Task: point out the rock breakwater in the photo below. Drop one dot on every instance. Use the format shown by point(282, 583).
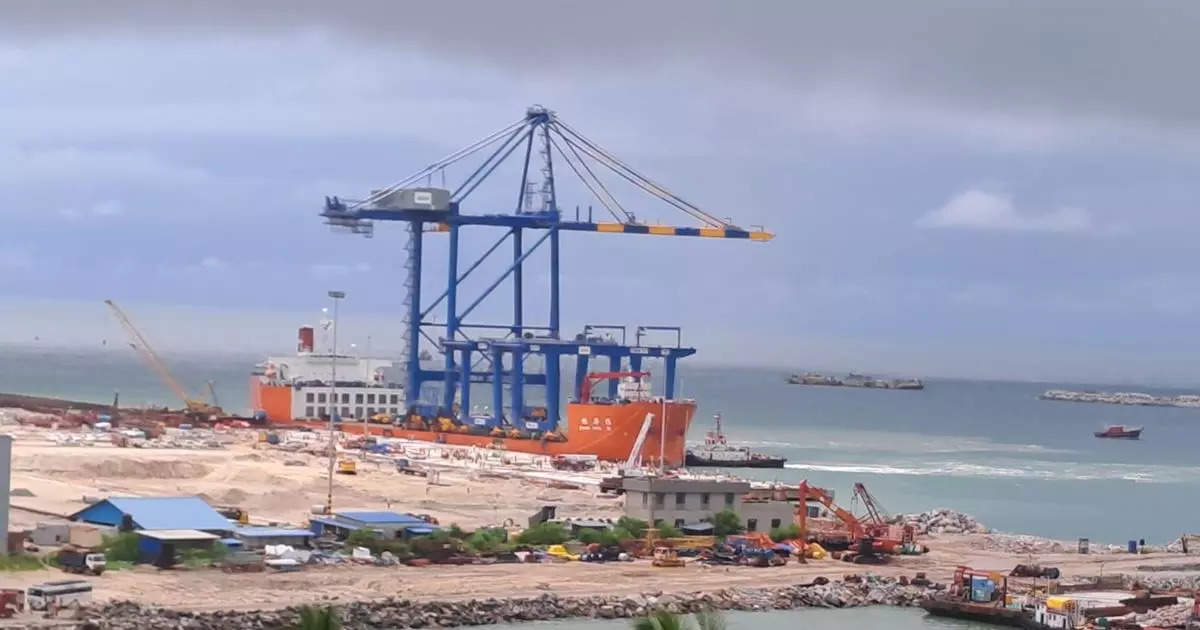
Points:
point(942, 521)
point(403, 613)
point(1123, 398)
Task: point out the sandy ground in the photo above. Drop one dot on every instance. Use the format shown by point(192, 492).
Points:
point(255, 477)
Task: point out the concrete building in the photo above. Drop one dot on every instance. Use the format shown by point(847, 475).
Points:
point(384, 524)
point(152, 513)
point(683, 502)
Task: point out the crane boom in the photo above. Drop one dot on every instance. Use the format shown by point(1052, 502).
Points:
point(143, 348)
point(874, 511)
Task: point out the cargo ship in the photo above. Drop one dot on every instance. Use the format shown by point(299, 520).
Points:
point(297, 392)
point(717, 452)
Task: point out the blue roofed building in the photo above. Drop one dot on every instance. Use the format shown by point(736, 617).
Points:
point(384, 524)
point(155, 513)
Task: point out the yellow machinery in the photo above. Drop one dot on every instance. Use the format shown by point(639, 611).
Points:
point(347, 467)
point(667, 557)
point(194, 406)
point(235, 514)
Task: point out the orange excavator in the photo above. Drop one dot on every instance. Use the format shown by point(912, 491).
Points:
point(874, 534)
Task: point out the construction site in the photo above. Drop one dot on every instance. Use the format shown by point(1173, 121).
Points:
point(342, 485)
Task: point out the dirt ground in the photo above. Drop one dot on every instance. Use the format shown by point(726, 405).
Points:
point(257, 478)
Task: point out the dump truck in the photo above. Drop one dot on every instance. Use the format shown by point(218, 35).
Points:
point(81, 561)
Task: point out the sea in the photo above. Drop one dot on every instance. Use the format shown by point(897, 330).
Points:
point(988, 448)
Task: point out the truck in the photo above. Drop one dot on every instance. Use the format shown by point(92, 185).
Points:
point(347, 467)
point(82, 561)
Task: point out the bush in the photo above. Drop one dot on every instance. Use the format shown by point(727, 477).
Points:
point(455, 531)
point(786, 532)
point(196, 558)
point(487, 540)
point(544, 534)
point(19, 562)
point(667, 530)
point(602, 537)
point(635, 526)
point(726, 522)
point(122, 547)
point(362, 538)
point(317, 618)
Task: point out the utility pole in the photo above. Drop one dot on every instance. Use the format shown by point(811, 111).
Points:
point(336, 296)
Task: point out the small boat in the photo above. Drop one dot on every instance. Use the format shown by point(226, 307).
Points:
point(1120, 431)
point(717, 452)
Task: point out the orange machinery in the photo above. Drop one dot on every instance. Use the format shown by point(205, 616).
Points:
point(887, 538)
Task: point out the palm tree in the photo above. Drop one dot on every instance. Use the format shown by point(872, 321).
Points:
point(665, 620)
point(318, 618)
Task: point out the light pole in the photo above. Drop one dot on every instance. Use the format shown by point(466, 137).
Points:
point(336, 296)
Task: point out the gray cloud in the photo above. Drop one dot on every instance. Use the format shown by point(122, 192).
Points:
point(1108, 65)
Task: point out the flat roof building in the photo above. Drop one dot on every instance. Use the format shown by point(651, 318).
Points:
point(690, 503)
point(259, 537)
point(385, 524)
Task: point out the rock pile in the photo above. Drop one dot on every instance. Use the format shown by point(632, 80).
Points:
point(1011, 543)
point(402, 613)
point(1166, 617)
point(942, 521)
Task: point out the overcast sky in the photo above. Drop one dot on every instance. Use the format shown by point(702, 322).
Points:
point(996, 190)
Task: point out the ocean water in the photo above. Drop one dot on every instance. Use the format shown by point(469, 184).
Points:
point(991, 449)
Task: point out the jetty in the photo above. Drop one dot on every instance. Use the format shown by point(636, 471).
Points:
point(1123, 398)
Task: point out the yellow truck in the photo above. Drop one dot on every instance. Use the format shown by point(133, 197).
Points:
point(347, 467)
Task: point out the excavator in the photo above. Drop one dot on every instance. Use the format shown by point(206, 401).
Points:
point(868, 543)
point(193, 407)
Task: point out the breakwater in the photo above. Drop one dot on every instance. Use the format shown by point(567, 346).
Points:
point(1123, 398)
point(855, 380)
point(403, 613)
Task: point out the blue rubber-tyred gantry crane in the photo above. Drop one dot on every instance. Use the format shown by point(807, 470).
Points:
point(496, 360)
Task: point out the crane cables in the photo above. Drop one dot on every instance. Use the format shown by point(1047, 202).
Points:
point(444, 162)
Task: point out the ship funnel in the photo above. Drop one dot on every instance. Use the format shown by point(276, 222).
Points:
point(306, 339)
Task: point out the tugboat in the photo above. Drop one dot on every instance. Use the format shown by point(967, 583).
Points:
point(717, 452)
point(1119, 431)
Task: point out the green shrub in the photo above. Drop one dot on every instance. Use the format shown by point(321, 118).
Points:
point(544, 534)
point(19, 562)
point(635, 526)
point(362, 538)
point(726, 522)
point(487, 540)
point(196, 558)
point(602, 537)
point(454, 531)
point(318, 618)
point(786, 532)
point(123, 546)
point(667, 530)
point(623, 534)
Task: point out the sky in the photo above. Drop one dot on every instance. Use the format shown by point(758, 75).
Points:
point(984, 189)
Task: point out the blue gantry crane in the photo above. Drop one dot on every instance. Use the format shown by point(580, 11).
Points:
point(470, 355)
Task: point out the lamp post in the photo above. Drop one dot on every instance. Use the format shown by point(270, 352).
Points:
point(336, 296)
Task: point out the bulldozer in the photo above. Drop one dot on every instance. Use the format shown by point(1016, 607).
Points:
point(347, 467)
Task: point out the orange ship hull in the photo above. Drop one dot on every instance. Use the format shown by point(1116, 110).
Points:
point(607, 431)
